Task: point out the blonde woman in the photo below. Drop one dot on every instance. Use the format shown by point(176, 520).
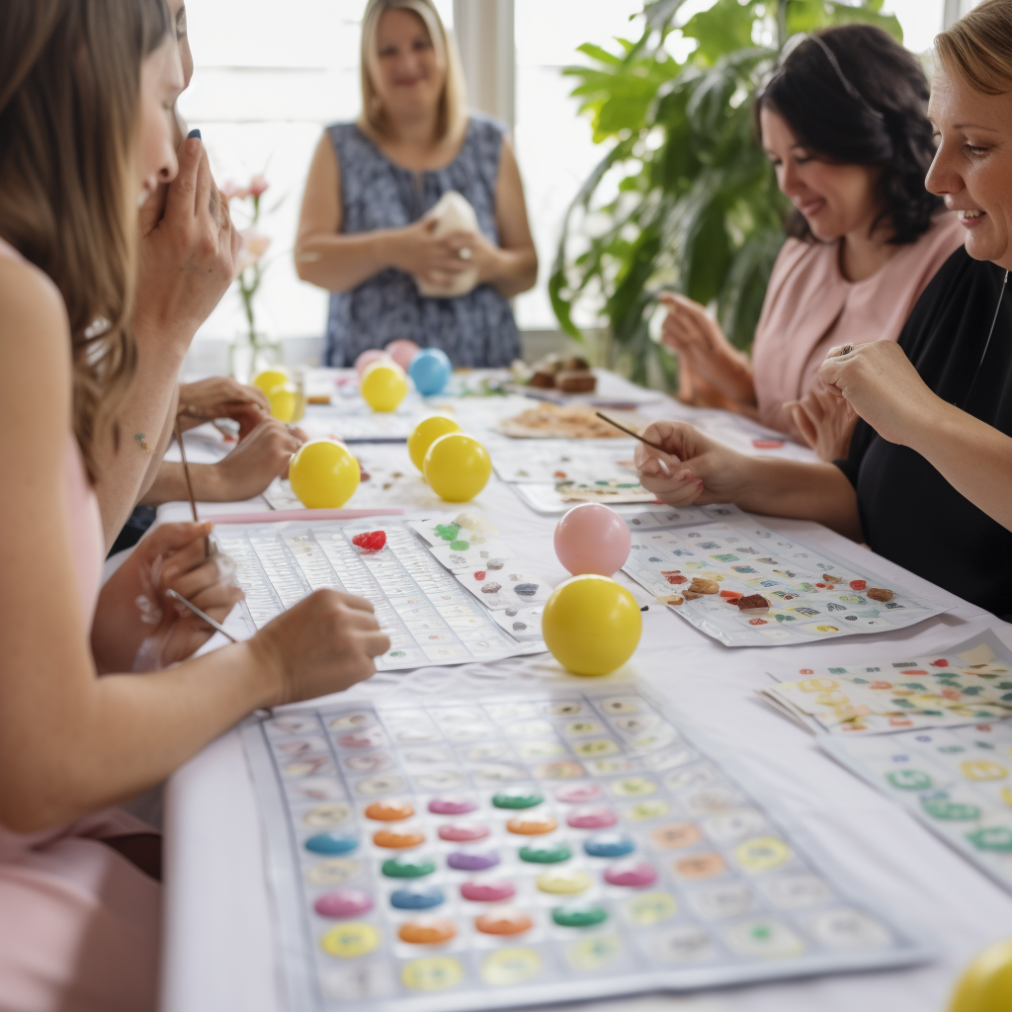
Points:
point(928, 480)
point(363, 233)
point(79, 915)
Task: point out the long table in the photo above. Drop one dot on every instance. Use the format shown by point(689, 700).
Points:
point(219, 950)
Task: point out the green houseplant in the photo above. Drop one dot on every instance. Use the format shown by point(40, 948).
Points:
point(688, 200)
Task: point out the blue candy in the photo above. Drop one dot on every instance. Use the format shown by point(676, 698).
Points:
point(332, 843)
point(416, 897)
point(430, 370)
point(608, 845)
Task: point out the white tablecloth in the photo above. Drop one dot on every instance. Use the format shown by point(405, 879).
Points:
point(219, 953)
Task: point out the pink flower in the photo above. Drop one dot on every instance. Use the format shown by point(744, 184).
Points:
point(254, 246)
point(232, 191)
point(258, 185)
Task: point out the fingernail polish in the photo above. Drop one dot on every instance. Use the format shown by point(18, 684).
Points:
point(193, 134)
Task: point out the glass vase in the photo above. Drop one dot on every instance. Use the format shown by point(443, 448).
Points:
point(249, 354)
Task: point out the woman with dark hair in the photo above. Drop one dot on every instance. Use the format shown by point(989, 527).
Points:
point(87, 89)
point(844, 122)
point(928, 479)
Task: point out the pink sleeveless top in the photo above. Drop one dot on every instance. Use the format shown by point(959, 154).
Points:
point(810, 307)
point(79, 924)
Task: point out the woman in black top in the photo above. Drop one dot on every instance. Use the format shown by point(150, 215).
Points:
point(928, 482)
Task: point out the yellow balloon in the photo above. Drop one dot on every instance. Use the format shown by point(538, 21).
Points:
point(426, 433)
point(591, 624)
point(986, 984)
point(457, 467)
point(270, 378)
point(283, 400)
point(324, 474)
point(383, 386)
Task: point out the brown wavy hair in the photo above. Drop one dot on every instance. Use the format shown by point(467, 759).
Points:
point(979, 47)
point(70, 74)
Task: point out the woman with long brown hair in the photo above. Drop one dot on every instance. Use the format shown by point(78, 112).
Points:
point(87, 89)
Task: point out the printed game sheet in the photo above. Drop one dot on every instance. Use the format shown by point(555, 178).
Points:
point(968, 682)
point(430, 616)
point(440, 855)
point(745, 585)
point(957, 780)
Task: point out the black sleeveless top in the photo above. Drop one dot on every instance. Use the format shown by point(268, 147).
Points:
point(909, 512)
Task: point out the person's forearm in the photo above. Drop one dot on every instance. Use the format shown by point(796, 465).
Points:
point(145, 429)
point(789, 488)
point(170, 484)
point(130, 732)
point(974, 457)
point(341, 262)
point(517, 271)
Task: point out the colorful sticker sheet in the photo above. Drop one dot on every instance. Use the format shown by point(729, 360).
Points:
point(970, 681)
point(430, 617)
point(440, 855)
point(956, 780)
point(789, 593)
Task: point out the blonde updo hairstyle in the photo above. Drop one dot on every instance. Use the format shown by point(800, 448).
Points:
point(452, 116)
point(978, 47)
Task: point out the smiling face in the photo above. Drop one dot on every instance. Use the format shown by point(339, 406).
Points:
point(161, 84)
point(406, 71)
point(972, 170)
point(836, 200)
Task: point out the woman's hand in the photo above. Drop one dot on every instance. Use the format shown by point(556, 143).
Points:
point(692, 467)
point(882, 386)
point(699, 341)
point(481, 254)
point(325, 643)
point(415, 250)
point(826, 423)
point(254, 463)
point(221, 397)
point(137, 627)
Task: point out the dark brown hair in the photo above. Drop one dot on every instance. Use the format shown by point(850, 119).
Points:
point(70, 75)
point(853, 95)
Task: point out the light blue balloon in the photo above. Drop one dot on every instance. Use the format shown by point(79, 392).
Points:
point(430, 371)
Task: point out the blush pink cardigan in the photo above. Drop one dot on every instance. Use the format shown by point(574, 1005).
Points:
point(79, 924)
point(810, 307)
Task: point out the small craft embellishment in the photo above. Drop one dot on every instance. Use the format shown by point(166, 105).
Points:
point(491, 588)
point(878, 594)
point(753, 603)
point(142, 441)
point(370, 542)
point(674, 577)
point(675, 599)
point(702, 586)
point(526, 589)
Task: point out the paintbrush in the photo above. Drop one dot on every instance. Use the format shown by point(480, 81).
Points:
point(189, 486)
point(629, 432)
point(216, 626)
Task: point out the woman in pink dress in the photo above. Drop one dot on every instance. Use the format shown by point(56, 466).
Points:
point(844, 122)
point(87, 89)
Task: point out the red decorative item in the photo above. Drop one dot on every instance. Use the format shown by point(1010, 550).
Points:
point(858, 584)
point(480, 575)
point(940, 663)
point(370, 542)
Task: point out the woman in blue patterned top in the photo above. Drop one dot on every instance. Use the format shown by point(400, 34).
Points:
point(363, 233)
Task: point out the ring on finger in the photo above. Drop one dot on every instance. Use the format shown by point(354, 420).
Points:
point(465, 253)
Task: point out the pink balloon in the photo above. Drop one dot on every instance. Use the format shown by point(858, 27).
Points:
point(402, 352)
point(367, 358)
point(592, 538)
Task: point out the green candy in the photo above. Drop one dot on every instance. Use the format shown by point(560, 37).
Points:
point(460, 546)
point(517, 798)
point(950, 810)
point(996, 838)
point(909, 780)
point(579, 915)
point(545, 853)
point(408, 866)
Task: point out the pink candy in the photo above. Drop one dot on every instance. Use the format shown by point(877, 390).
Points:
point(578, 793)
point(343, 903)
point(451, 806)
point(488, 892)
point(597, 817)
point(631, 873)
point(462, 832)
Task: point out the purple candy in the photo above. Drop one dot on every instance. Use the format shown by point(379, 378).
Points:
point(464, 860)
point(451, 806)
point(343, 903)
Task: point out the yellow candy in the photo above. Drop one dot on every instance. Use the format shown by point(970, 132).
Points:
point(564, 881)
point(383, 386)
point(592, 625)
point(347, 941)
point(426, 433)
point(457, 467)
point(283, 399)
point(986, 985)
point(324, 474)
point(269, 379)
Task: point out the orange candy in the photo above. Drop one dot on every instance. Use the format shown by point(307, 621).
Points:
point(504, 921)
point(389, 811)
point(427, 931)
point(531, 824)
point(398, 838)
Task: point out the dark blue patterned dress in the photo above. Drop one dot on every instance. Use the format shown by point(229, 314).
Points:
point(476, 329)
